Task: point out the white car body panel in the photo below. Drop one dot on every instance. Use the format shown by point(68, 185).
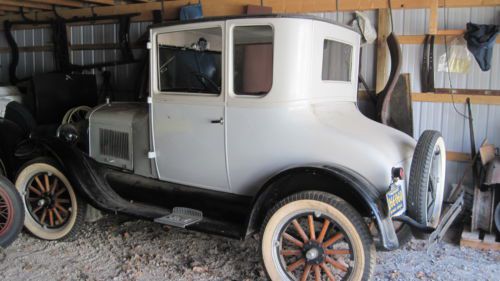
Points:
point(302, 121)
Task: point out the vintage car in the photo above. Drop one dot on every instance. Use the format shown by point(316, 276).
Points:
point(251, 125)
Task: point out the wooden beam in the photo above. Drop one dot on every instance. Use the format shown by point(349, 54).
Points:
point(384, 29)
point(63, 3)
point(433, 19)
point(25, 4)
point(458, 98)
point(457, 156)
point(419, 39)
point(103, 2)
point(236, 7)
point(9, 8)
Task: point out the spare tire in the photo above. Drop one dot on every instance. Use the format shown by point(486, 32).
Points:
point(11, 212)
point(427, 180)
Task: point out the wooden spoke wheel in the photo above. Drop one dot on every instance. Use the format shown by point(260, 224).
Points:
point(53, 209)
point(48, 201)
point(316, 236)
point(6, 212)
point(313, 245)
point(11, 212)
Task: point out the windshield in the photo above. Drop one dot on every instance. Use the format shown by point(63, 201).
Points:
point(190, 61)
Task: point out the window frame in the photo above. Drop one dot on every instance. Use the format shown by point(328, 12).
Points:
point(351, 68)
point(231, 68)
point(189, 27)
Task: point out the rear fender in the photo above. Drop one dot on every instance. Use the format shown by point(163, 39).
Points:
point(337, 180)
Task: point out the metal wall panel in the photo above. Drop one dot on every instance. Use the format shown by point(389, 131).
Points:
point(449, 120)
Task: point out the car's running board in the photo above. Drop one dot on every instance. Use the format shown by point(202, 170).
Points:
point(181, 217)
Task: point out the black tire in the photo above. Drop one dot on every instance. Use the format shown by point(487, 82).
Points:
point(64, 222)
point(11, 213)
point(345, 221)
point(427, 177)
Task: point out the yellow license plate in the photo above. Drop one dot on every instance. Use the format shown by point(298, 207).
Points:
point(395, 200)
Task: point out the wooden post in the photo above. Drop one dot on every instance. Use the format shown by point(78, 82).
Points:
point(384, 29)
point(433, 19)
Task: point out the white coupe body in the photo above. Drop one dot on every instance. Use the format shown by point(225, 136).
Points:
point(302, 119)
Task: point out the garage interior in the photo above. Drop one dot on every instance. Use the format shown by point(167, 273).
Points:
point(107, 39)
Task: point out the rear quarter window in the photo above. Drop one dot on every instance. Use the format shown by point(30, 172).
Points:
point(337, 61)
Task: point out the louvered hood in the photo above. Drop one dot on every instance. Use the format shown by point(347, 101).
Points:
point(114, 131)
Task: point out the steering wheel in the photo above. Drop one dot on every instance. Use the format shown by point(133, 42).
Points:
point(203, 78)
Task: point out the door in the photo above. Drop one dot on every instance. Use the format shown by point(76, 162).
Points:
point(188, 105)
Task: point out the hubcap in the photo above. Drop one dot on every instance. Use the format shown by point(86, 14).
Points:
point(6, 211)
point(48, 201)
point(314, 247)
point(313, 252)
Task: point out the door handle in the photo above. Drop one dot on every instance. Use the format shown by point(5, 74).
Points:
point(219, 121)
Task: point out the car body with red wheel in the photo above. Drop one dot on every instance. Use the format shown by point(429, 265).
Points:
point(251, 124)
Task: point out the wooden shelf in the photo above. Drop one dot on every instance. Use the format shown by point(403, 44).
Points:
point(419, 39)
point(458, 98)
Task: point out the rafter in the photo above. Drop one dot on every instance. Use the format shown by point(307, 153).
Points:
point(103, 2)
point(9, 8)
point(65, 3)
point(236, 7)
point(25, 4)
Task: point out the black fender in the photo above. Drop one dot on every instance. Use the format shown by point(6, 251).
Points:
point(338, 180)
point(87, 177)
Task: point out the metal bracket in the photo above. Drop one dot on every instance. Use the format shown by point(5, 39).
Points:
point(447, 219)
point(415, 224)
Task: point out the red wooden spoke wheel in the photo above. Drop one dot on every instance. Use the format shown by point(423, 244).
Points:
point(6, 212)
point(11, 212)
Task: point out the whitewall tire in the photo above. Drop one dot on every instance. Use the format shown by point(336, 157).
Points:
point(53, 209)
point(316, 236)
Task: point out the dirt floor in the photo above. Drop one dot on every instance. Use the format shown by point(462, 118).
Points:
point(116, 248)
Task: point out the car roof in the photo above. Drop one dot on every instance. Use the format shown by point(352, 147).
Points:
point(242, 17)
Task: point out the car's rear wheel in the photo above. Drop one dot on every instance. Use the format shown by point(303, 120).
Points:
point(427, 180)
point(316, 236)
point(11, 213)
point(53, 209)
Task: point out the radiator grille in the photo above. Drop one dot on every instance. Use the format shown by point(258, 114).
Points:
point(113, 143)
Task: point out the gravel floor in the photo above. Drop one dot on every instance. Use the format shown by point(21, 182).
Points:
point(116, 248)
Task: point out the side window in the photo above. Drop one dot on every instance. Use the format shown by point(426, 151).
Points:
point(190, 61)
point(253, 60)
point(337, 61)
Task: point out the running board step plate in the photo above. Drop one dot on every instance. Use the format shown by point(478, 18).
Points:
point(181, 217)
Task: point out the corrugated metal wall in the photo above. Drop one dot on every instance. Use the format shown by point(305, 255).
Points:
point(441, 117)
point(38, 62)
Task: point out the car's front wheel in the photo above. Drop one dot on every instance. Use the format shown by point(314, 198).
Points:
point(53, 209)
point(316, 236)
